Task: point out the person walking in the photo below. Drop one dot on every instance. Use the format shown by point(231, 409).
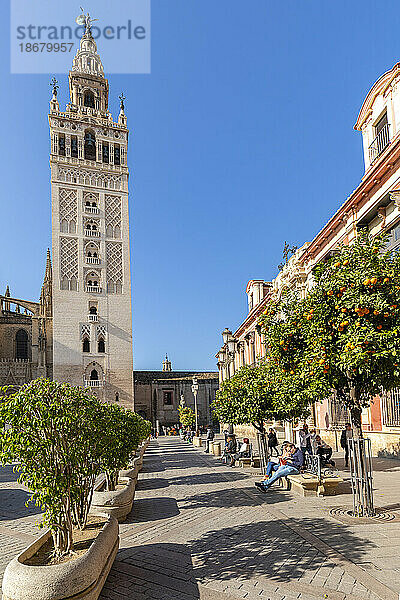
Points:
point(347, 434)
point(272, 442)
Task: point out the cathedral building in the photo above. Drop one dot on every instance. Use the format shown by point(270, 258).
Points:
point(26, 335)
point(92, 322)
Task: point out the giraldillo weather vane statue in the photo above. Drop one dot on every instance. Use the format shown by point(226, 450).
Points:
point(85, 20)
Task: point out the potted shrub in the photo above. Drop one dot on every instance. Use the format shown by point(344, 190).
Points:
point(123, 430)
point(52, 431)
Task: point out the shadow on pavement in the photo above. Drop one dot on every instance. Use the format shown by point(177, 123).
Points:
point(151, 484)
point(206, 478)
point(163, 571)
point(228, 497)
point(152, 509)
point(270, 549)
point(12, 504)
point(7, 473)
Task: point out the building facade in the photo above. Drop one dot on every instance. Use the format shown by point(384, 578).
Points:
point(26, 335)
point(158, 394)
point(375, 205)
point(92, 322)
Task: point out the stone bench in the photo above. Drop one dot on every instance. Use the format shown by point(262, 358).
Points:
point(309, 485)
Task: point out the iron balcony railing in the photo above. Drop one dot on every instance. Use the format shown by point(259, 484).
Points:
point(93, 289)
point(92, 232)
point(92, 260)
point(93, 318)
point(379, 144)
point(391, 408)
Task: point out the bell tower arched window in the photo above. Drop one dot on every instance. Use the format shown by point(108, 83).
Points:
point(94, 376)
point(90, 145)
point(101, 346)
point(88, 99)
point(21, 344)
point(86, 345)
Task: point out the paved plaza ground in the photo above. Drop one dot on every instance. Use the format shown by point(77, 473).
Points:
point(201, 530)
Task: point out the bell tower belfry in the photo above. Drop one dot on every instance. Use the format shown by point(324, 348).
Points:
point(92, 321)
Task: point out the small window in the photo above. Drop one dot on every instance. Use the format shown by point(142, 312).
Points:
point(86, 345)
point(93, 310)
point(117, 155)
point(90, 146)
point(61, 144)
point(106, 152)
point(88, 99)
point(21, 344)
point(74, 146)
point(383, 121)
point(101, 346)
point(168, 397)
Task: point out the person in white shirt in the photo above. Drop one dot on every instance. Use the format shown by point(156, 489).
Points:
point(244, 452)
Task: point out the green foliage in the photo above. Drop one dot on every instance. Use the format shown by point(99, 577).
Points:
point(121, 433)
point(345, 334)
point(255, 394)
point(63, 438)
point(51, 431)
point(186, 416)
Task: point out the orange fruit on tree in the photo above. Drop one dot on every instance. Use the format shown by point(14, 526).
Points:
point(373, 280)
point(366, 281)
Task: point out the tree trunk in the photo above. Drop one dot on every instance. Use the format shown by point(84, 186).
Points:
point(355, 413)
point(262, 445)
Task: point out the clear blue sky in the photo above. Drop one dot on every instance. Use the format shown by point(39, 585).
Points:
point(241, 138)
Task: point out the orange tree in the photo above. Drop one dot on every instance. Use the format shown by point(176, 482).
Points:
point(298, 379)
point(254, 395)
point(350, 323)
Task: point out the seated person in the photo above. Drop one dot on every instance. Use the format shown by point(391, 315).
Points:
point(293, 463)
point(323, 450)
point(244, 452)
point(282, 458)
point(230, 448)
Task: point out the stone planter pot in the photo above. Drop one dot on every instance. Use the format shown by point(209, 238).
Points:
point(117, 503)
point(131, 471)
point(197, 442)
point(216, 448)
point(81, 577)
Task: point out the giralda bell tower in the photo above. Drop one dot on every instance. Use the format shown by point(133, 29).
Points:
point(92, 324)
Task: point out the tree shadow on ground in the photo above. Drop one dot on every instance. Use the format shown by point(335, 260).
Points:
point(152, 466)
point(159, 571)
point(152, 509)
point(206, 478)
point(12, 504)
point(233, 497)
point(8, 473)
point(152, 484)
point(271, 549)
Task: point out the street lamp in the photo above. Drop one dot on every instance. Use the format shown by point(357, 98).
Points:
point(226, 335)
point(195, 389)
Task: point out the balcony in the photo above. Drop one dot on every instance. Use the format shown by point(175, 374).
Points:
point(93, 318)
point(93, 383)
point(92, 260)
point(92, 233)
point(379, 144)
point(92, 210)
point(93, 289)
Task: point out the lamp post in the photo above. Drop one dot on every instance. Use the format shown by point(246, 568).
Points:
point(195, 389)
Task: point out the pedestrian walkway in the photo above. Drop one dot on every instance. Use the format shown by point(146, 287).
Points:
point(200, 530)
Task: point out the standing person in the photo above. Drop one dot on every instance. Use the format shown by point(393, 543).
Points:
point(272, 442)
point(304, 440)
point(209, 438)
point(347, 434)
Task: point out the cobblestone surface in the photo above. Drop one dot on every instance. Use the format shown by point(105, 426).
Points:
point(200, 530)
